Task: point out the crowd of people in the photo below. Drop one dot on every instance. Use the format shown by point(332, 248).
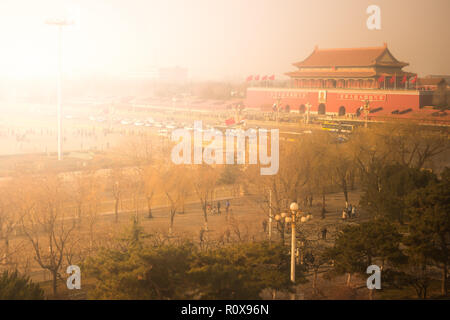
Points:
point(215, 209)
point(82, 138)
point(349, 212)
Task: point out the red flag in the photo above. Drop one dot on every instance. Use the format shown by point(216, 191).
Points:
point(257, 78)
point(393, 79)
point(381, 79)
point(404, 79)
point(272, 77)
point(414, 80)
point(249, 78)
point(264, 78)
point(230, 121)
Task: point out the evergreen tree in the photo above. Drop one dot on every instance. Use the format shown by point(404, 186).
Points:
point(359, 246)
point(386, 197)
point(242, 271)
point(139, 270)
point(429, 230)
point(16, 287)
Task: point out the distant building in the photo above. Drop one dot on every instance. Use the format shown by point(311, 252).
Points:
point(440, 85)
point(431, 83)
point(435, 76)
point(338, 82)
point(358, 68)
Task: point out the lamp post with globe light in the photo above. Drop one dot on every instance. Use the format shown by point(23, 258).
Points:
point(308, 109)
point(366, 109)
point(292, 218)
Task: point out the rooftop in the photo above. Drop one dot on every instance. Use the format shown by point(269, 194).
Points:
point(350, 57)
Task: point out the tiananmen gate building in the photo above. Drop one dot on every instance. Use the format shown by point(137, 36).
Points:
point(338, 82)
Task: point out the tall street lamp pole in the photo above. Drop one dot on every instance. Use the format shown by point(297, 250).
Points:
point(366, 109)
point(270, 215)
point(294, 210)
point(308, 109)
point(60, 23)
point(278, 109)
point(295, 214)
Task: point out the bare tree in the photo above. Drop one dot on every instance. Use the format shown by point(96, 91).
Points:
point(135, 188)
point(314, 258)
point(81, 188)
point(151, 181)
point(322, 167)
point(118, 186)
point(343, 166)
point(14, 204)
point(204, 180)
point(297, 160)
point(47, 227)
point(414, 146)
point(175, 184)
point(94, 196)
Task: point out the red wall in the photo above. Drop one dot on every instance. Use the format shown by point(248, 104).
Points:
point(264, 98)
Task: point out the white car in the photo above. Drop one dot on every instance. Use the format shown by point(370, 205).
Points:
point(163, 133)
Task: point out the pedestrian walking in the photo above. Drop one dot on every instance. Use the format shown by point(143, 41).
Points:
point(324, 233)
point(218, 207)
point(344, 214)
point(202, 231)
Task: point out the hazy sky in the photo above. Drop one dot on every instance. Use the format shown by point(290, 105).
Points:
point(215, 39)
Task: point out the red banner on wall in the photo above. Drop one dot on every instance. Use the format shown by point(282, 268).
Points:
point(287, 94)
point(362, 97)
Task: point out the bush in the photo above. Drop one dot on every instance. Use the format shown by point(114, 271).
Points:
point(15, 287)
point(183, 271)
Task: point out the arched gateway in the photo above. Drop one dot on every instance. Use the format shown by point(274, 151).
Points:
point(321, 109)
